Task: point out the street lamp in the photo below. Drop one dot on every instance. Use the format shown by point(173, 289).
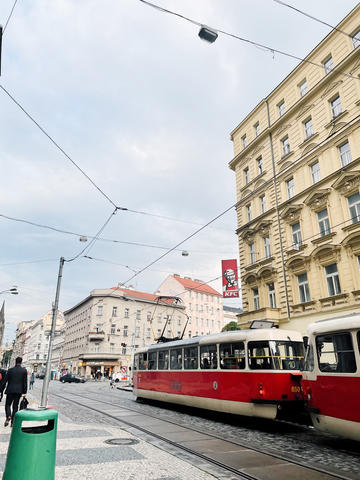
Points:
point(13, 291)
point(208, 34)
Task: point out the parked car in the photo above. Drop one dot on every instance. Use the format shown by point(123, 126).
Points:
point(70, 378)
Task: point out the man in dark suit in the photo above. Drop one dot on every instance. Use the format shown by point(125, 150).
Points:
point(16, 386)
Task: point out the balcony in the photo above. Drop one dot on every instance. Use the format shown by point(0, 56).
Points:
point(96, 336)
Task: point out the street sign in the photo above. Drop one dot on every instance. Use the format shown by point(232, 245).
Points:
point(123, 369)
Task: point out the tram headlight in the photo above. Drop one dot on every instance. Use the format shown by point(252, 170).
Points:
point(261, 390)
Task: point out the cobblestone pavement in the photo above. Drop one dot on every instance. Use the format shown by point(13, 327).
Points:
point(302, 443)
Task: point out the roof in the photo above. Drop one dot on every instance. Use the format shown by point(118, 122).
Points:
point(348, 322)
point(141, 295)
point(189, 284)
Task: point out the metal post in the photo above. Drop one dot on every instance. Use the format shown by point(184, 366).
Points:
point(45, 388)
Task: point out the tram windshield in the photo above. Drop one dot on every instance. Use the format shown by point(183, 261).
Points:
point(276, 355)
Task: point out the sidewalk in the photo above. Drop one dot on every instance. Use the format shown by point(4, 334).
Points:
point(82, 455)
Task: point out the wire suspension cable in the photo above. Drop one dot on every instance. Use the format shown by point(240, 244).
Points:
point(10, 15)
point(60, 148)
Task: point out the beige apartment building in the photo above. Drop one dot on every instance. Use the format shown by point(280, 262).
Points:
point(297, 166)
point(103, 330)
point(203, 304)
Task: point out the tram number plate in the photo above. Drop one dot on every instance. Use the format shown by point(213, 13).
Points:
point(175, 386)
point(295, 389)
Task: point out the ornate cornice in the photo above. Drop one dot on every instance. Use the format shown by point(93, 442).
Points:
point(291, 214)
point(348, 182)
point(318, 200)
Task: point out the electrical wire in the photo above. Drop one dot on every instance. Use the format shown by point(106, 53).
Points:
point(312, 17)
point(242, 39)
point(180, 243)
point(93, 241)
point(9, 17)
point(60, 148)
point(102, 239)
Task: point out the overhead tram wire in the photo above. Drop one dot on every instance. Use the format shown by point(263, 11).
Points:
point(237, 37)
point(284, 4)
point(102, 239)
point(60, 149)
point(9, 17)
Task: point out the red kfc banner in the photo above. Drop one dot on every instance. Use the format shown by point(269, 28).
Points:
point(230, 278)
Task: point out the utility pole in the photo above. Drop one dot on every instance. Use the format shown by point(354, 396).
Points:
point(45, 388)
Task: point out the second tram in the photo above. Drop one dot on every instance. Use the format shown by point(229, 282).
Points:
point(254, 372)
point(331, 380)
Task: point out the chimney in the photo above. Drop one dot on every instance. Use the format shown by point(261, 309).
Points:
point(176, 275)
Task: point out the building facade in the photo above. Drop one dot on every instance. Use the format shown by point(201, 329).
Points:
point(297, 167)
point(203, 305)
point(104, 329)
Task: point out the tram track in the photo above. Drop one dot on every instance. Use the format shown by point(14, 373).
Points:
point(283, 466)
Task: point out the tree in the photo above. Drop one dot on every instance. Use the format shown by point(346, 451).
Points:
point(6, 358)
point(230, 326)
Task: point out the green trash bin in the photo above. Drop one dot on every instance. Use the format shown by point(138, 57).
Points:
point(32, 448)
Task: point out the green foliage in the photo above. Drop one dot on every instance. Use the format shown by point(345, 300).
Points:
point(230, 326)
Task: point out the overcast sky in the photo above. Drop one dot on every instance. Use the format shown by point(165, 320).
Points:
point(145, 108)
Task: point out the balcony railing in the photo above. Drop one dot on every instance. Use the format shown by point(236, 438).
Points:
point(96, 336)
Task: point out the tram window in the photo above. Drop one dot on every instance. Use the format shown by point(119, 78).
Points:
point(191, 358)
point(152, 363)
point(136, 362)
point(163, 360)
point(176, 359)
point(260, 356)
point(208, 357)
point(142, 361)
point(358, 340)
point(309, 358)
point(232, 356)
point(335, 353)
point(287, 355)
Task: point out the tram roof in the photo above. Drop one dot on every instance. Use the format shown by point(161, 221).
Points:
point(227, 337)
point(348, 322)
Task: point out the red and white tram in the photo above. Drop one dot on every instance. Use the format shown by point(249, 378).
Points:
point(246, 372)
point(331, 380)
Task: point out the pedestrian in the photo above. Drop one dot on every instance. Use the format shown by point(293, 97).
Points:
point(16, 386)
point(32, 381)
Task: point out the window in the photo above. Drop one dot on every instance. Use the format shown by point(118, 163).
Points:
point(248, 212)
point(263, 204)
point(152, 362)
point(176, 359)
point(96, 347)
point(112, 347)
point(303, 88)
point(354, 207)
point(335, 353)
point(281, 108)
point(232, 356)
point(275, 355)
point(304, 292)
point(126, 313)
point(285, 146)
point(267, 247)
point(257, 129)
point(114, 312)
point(208, 357)
point(308, 127)
point(100, 310)
point(148, 316)
point(259, 165)
point(272, 297)
point(113, 329)
point(125, 332)
point(336, 106)
point(315, 172)
point(246, 175)
point(296, 235)
point(256, 298)
point(345, 154)
point(191, 358)
point(137, 332)
point(332, 278)
point(356, 39)
point(324, 224)
point(328, 65)
point(290, 187)
point(138, 314)
point(163, 359)
point(148, 333)
point(252, 253)
point(244, 142)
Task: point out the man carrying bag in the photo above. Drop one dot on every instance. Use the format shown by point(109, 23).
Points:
point(16, 386)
